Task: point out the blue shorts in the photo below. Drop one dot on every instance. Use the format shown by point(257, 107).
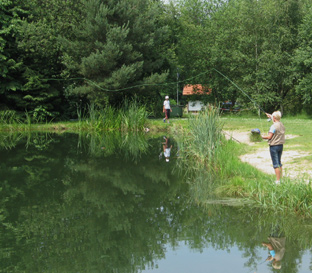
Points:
point(276, 154)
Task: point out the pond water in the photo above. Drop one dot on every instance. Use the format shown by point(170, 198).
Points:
point(112, 203)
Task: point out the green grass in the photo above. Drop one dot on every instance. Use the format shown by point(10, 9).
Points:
point(300, 131)
point(227, 176)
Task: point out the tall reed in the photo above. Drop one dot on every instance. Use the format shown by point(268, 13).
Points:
point(130, 117)
point(9, 117)
point(205, 136)
point(199, 149)
point(134, 116)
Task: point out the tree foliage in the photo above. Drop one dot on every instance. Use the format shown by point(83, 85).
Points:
point(303, 60)
point(56, 55)
point(117, 46)
point(10, 63)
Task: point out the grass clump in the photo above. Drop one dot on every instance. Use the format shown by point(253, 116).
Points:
point(290, 196)
point(254, 137)
point(200, 145)
point(199, 148)
point(130, 117)
point(9, 117)
point(204, 137)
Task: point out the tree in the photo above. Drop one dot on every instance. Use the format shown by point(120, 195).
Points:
point(10, 63)
point(119, 49)
point(275, 76)
point(32, 55)
point(250, 42)
point(38, 39)
point(303, 60)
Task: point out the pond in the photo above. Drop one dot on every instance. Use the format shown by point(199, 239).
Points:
point(120, 203)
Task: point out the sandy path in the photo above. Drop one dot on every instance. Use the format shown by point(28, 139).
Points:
point(260, 157)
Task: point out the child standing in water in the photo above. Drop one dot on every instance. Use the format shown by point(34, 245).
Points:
point(276, 140)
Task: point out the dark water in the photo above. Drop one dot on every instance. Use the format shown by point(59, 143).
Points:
point(112, 203)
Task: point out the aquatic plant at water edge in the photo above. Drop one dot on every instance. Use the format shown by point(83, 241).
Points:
point(130, 117)
point(291, 196)
point(9, 117)
point(205, 136)
point(133, 116)
point(199, 150)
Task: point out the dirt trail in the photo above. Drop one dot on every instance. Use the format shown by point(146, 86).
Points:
point(260, 157)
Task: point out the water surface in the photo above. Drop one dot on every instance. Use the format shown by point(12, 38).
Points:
point(112, 203)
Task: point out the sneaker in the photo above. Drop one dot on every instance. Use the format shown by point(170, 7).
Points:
point(277, 182)
point(168, 121)
point(164, 120)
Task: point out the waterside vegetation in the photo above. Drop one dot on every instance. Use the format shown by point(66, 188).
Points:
point(132, 116)
point(219, 173)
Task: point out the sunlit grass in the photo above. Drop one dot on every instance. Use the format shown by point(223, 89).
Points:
point(228, 176)
point(298, 133)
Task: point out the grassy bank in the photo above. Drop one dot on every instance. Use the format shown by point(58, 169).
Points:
point(298, 138)
point(219, 173)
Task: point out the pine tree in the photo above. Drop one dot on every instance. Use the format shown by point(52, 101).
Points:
point(118, 45)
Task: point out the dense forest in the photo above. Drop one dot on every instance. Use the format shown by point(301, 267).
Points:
point(60, 55)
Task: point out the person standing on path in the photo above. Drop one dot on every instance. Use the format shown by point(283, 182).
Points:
point(166, 109)
point(276, 139)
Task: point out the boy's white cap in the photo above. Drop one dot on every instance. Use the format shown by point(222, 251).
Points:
point(167, 97)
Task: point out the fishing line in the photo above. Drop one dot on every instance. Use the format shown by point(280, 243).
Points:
point(158, 84)
point(255, 103)
point(126, 88)
point(240, 89)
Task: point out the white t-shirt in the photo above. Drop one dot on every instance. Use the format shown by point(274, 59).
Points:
point(167, 104)
point(167, 152)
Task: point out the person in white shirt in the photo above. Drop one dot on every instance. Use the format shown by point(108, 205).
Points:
point(167, 149)
point(166, 109)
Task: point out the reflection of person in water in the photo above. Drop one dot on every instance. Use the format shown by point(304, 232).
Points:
point(167, 149)
point(276, 247)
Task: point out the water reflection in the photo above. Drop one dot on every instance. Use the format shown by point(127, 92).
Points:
point(276, 247)
point(167, 146)
point(106, 203)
